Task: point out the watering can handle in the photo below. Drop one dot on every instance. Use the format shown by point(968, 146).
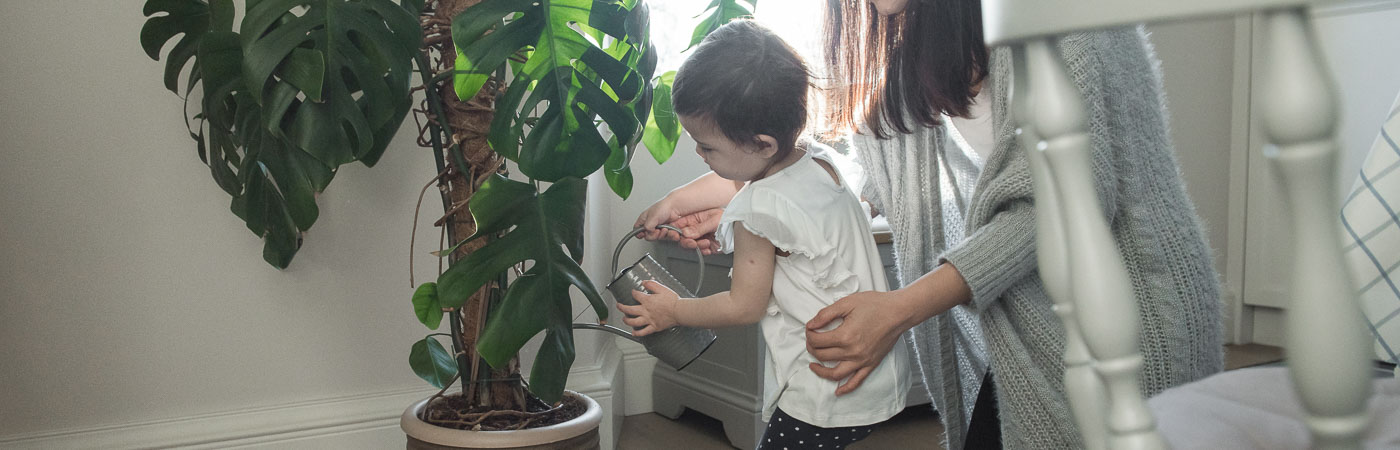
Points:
point(700, 257)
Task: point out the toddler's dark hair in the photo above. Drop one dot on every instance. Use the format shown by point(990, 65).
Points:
point(748, 81)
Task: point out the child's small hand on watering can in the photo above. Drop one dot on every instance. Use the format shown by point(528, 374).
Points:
point(654, 312)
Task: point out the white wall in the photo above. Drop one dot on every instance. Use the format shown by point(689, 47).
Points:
point(137, 310)
point(1197, 74)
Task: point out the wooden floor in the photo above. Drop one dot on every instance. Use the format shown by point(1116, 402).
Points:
point(915, 428)
point(1250, 355)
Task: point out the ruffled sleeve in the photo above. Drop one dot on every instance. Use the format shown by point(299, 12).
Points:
point(773, 216)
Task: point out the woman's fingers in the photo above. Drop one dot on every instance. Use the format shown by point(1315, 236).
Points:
point(831, 312)
point(652, 233)
point(699, 226)
point(836, 345)
point(836, 350)
point(855, 381)
point(857, 372)
point(707, 244)
point(840, 372)
point(860, 339)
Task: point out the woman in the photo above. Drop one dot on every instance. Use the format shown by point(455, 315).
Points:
point(930, 104)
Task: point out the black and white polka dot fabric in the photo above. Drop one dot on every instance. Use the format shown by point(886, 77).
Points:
point(787, 433)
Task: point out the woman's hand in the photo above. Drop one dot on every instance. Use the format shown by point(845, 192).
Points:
point(654, 312)
point(695, 207)
point(872, 322)
point(697, 229)
point(871, 325)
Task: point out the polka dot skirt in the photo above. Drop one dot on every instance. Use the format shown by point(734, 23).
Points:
point(787, 433)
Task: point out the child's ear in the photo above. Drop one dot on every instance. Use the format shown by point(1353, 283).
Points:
point(767, 145)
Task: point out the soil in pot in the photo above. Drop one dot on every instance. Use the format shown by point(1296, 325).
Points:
point(452, 411)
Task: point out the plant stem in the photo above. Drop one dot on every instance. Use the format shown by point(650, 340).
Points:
point(435, 106)
point(437, 128)
point(463, 362)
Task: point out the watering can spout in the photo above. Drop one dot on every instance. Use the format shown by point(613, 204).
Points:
point(676, 346)
point(608, 328)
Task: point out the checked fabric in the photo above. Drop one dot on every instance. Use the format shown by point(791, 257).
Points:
point(1371, 224)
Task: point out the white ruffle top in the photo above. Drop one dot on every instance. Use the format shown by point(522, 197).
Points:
point(832, 254)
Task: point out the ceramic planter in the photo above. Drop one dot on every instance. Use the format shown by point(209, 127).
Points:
point(581, 433)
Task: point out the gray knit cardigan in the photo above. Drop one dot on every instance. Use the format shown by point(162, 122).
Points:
point(1152, 220)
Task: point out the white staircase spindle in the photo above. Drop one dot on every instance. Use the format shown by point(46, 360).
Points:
point(1326, 343)
point(1082, 385)
point(1099, 286)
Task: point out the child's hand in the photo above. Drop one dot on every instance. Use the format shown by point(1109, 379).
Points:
point(654, 313)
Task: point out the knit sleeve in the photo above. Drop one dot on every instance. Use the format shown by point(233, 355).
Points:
point(872, 172)
point(1001, 252)
point(871, 197)
point(998, 255)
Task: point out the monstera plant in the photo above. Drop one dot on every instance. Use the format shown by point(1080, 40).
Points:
point(272, 124)
point(561, 88)
point(575, 70)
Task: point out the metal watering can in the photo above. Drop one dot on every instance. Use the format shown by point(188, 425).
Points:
point(677, 346)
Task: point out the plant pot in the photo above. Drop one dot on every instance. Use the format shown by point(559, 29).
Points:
point(581, 433)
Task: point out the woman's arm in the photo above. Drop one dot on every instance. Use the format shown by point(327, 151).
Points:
point(873, 321)
point(744, 303)
point(708, 192)
point(976, 272)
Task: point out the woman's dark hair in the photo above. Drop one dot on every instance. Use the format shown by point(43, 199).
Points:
point(904, 69)
point(748, 81)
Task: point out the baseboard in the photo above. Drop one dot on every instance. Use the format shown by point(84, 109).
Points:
point(600, 381)
point(637, 368)
point(314, 424)
point(235, 428)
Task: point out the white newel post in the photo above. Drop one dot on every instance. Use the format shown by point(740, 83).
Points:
point(1326, 342)
point(1082, 384)
point(1099, 288)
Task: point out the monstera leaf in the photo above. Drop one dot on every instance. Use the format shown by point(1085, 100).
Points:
point(663, 128)
point(306, 67)
point(432, 362)
point(545, 229)
point(721, 12)
point(586, 60)
point(307, 86)
point(190, 19)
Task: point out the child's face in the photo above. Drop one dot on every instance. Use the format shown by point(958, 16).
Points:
point(729, 159)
